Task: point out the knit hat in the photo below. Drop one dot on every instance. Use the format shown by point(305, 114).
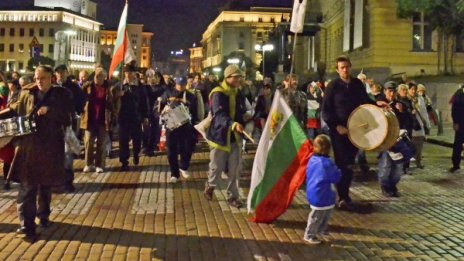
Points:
point(232, 70)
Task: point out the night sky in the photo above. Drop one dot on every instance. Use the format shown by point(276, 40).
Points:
point(176, 23)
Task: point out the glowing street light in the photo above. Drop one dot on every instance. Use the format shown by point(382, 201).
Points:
point(264, 48)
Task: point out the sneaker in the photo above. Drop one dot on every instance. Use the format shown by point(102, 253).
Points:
point(184, 173)
point(174, 180)
point(236, 203)
point(99, 170)
point(88, 169)
point(312, 240)
point(208, 192)
point(453, 169)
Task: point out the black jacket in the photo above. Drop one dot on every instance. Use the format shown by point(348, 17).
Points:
point(153, 93)
point(78, 96)
point(134, 104)
point(457, 108)
point(341, 99)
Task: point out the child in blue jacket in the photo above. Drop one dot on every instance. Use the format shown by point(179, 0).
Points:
point(321, 176)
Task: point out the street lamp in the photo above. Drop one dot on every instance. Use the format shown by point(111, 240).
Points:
point(264, 48)
point(233, 61)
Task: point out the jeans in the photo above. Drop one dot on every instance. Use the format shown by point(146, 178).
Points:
point(95, 153)
point(457, 146)
point(389, 173)
point(318, 222)
point(68, 167)
point(29, 206)
point(180, 141)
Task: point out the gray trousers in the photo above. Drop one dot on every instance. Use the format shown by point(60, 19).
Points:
point(29, 206)
point(318, 221)
point(225, 161)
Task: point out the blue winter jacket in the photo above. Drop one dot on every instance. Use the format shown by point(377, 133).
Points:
point(321, 173)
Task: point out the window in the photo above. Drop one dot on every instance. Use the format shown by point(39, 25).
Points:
point(241, 46)
point(31, 31)
point(2, 31)
point(21, 48)
point(51, 32)
point(272, 20)
point(2, 48)
point(12, 32)
point(421, 32)
point(144, 57)
point(50, 48)
point(21, 31)
point(460, 43)
point(260, 34)
point(41, 32)
point(260, 19)
point(241, 34)
point(20, 65)
point(41, 48)
point(144, 50)
point(11, 48)
point(242, 19)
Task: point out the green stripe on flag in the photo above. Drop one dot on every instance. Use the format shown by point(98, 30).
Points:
point(286, 145)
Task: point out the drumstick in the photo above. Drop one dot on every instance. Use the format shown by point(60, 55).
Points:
point(249, 137)
point(364, 125)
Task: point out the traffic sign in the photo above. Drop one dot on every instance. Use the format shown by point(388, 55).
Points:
point(34, 42)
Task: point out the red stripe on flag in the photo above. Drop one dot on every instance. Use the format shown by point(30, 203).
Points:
point(118, 57)
point(280, 197)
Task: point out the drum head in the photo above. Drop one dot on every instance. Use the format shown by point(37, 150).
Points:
point(5, 140)
point(367, 127)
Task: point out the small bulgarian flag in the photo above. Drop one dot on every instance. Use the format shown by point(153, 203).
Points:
point(279, 167)
point(120, 46)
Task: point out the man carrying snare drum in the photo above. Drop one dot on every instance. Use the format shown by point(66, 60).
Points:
point(342, 97)
point(181, 140)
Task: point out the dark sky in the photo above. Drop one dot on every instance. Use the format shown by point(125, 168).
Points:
point(175, 23)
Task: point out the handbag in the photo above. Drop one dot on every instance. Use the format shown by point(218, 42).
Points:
point(71, 141)
point(203, 126)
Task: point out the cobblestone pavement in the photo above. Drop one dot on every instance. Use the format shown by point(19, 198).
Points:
point(139, 215)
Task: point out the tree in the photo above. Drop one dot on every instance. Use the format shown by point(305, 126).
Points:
point(249, 65)
point(41, 60)
point(446, 16)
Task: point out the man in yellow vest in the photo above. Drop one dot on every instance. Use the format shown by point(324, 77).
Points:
point(223, 135)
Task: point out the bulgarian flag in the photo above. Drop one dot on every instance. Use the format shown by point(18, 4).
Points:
point(120, 46)
point(279, 167)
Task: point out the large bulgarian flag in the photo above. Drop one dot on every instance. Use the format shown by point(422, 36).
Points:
point(120, 47)
point(279, 168)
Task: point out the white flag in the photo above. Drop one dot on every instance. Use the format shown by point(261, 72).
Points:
point(129, 56)
point(298, 16)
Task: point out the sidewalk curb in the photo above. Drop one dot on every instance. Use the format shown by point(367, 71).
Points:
point(440, 142)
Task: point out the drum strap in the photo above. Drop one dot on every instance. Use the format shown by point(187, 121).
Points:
point(40, 103)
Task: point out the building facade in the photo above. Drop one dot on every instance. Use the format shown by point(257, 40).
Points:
point(240, 31)
point(377, 41)
point(196, 59)
point(139, 40)
point(62, 35)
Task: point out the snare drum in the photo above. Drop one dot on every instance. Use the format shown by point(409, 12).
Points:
point(17, 126)
point(175, 117)
point(372, 128)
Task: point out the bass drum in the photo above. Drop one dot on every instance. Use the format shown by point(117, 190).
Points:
point(372, 128)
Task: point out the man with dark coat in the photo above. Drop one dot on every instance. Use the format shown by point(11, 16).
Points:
point(457, 113)
point(34, 164)
point(342, 96)
point(132, 113)
point(63, 80)
point(180, 141)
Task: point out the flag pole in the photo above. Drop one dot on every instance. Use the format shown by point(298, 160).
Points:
point(293, 53)
point(123, 55)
